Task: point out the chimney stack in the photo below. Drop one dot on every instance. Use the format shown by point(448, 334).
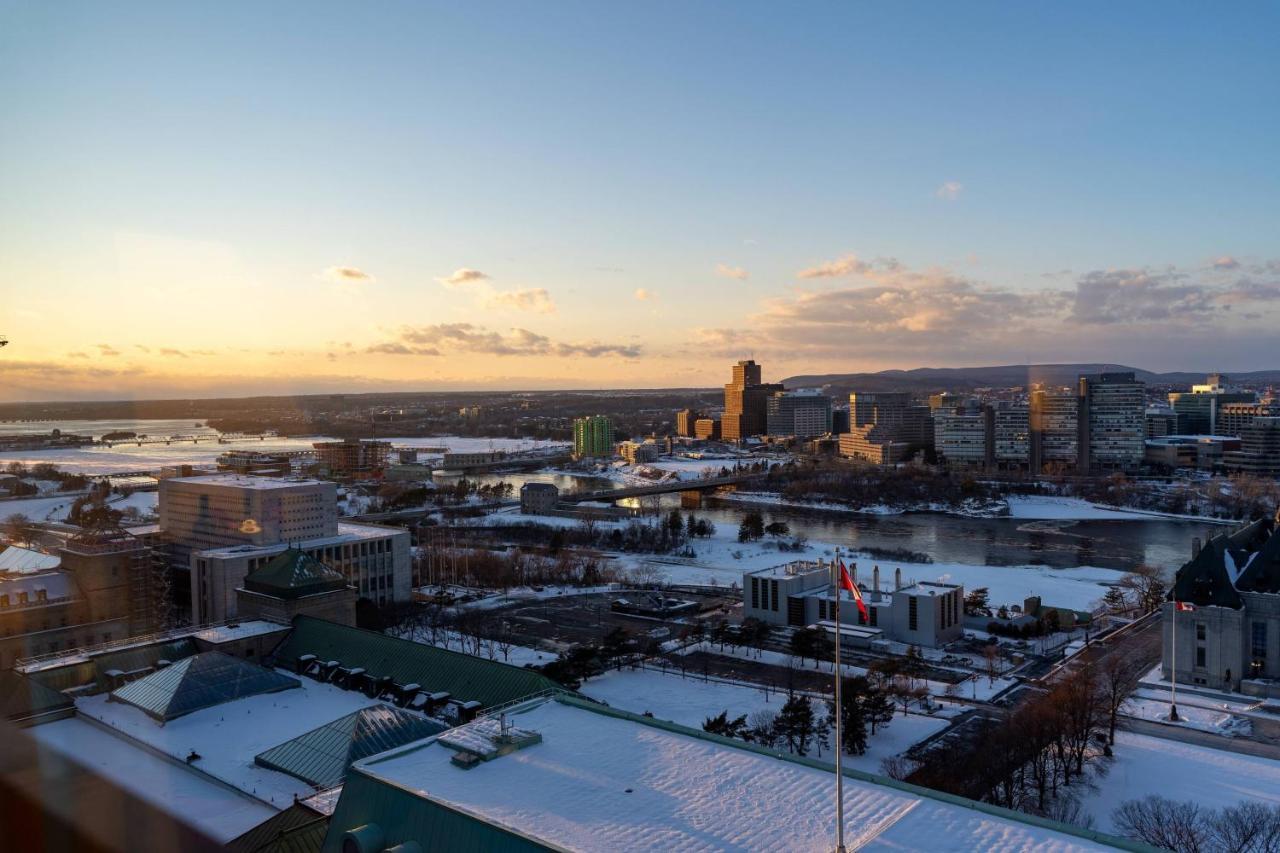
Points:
point(853, 571)
point(1195, 547)
point(897, 578)
point(875, 579)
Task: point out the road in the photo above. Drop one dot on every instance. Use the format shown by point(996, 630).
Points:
point(1244, 746)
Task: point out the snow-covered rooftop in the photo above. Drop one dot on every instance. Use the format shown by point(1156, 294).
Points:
point(347, 532)
point(600, 781)
point(243, 481)
point(238, 631)
point(24, 561)
point(228, 736)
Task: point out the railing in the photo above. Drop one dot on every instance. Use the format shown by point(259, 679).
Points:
point(139, 640)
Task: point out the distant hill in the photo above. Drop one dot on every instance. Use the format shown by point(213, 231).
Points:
point(967, 378)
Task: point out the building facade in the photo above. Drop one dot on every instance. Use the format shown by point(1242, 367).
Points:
point(592, 436)
point(885, 427)
point(1226, 635)
point(1113, 422)
point(353, 457)
point(746, 403)
point(1259, 453)
point(803, 413)
point(707, 429)
point(1054, 425)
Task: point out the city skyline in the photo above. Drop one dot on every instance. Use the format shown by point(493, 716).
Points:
point(573, 197)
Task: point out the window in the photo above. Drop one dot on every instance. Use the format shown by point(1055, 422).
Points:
point(773, 596)
point(913, 619)
point(755, 593)
point(1200, 632)
point(1259, 640)
point(1200, 656)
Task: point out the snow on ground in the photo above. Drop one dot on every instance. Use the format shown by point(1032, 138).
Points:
point(1211, 777)
point(489, 650)
point(39, 509)
point(1045, 507)
point(146, 503)
point(228, 736)
point(472, 444)
point(1191, 714)
point(171, 786)
point(722, 559)
point(689, 701)
point(980, 687)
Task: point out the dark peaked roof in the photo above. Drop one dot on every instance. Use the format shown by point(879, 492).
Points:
point(321, 756)
point(1251, 555)
point(22, 697)
point(199, 682)
point(293, 574)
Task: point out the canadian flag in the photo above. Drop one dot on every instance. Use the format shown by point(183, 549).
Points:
point(847, 582)
point(1185, 606)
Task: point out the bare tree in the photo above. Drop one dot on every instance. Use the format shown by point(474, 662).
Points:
point(1145, 586)
point(1117, 679)
point(1247, 827)
point(17, 528)
point(1163, 823)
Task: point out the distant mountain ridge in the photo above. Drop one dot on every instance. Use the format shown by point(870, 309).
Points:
point(1003, 376)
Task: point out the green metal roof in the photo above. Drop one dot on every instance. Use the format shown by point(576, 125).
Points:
point(463, 676)
point(292, 574)
point(94, 670)
point(198, 682)
point(22, 697)
point(321, 756)
point(297, 829)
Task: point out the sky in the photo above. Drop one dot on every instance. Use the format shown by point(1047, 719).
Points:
point(236, 198)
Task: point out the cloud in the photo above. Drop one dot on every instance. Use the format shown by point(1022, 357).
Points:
point(175, 353)
point(461, 276)
point(726, 271)
point(107, 350)
point(949, 191)
point(642, 294)
point(346, 275)
point(852, 265)
point(1166, 295)
point(74, 355)
point(445, 338)
point(536, 300)
point(143, 348)
point(1226, 262)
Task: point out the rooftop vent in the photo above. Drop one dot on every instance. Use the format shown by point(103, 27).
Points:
point(486, 739)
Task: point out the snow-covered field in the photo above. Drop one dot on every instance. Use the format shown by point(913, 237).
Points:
point(689, 701)
point(57, 508)
point(1211, 777)
point(169, 785)
point(489, 650)
point(148, 457)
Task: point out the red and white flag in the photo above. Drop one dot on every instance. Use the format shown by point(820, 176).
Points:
point(1185, 606)
point(847, 582)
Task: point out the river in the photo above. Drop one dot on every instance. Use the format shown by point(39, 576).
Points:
point(948, 539)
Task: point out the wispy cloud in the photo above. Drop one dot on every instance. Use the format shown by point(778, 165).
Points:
point(727, 271)
point(173, 353)
point(642, 294)
point(461, 276)
point(447, 338)
point(949, 191)
point(107, 350)
point(346, 275)
point(535, 300)
point(1226, 262)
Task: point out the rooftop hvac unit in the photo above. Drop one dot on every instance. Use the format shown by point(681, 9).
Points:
point(302, 663)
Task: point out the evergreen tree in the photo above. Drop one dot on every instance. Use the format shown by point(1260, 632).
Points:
point(722, 725)
point(795, 724)
point(853, 720)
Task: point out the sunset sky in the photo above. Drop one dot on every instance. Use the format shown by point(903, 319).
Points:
point(237, 198)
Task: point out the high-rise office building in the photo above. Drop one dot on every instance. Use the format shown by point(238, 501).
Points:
point(1113, 422)
point(592, 436)
point(1009, 446)
point(1197, 410)
point(885, 427)
point(1054, 430)
point(746, 403)
point(1234, 417)
point(1259, 452)
point(685, 420)
point(803, 413)
point(960, 437)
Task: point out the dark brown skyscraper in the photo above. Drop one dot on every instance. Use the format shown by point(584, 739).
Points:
point(746, 402)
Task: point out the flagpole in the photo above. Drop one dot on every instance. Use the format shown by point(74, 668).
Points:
point(1173, 669)
point(835, 583)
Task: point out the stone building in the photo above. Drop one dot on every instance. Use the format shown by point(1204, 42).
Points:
point(296, 583)
point(1227, 631)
